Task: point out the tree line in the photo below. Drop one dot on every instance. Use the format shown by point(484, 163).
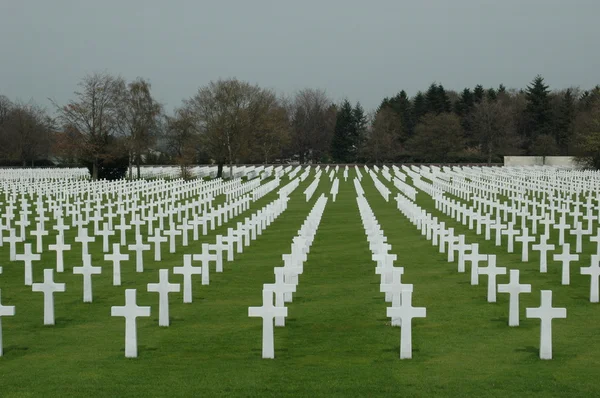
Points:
point(111, 125)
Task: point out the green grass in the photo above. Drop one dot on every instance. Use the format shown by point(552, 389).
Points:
point(337, 340)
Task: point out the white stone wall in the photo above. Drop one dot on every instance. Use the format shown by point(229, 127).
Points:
point(562, 161)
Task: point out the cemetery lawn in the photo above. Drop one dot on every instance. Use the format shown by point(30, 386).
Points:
point(337, 340)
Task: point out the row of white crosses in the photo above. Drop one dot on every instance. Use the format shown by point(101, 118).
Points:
point(310, 190)
point(249, 230)
point(479, 216)
point(437, 232)
point(48, 287)
point(286, 280)
point(397, 293)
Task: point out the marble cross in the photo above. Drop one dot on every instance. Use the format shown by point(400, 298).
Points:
point(130, 311)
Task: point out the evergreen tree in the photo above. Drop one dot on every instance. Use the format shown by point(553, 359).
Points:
point(342, 135)
point(491, 94)
point(564, 122)
point(419, 107)
point(501, 89)
point(437, 100)
point(359, 131)
point(538, 109)
point(478, 93)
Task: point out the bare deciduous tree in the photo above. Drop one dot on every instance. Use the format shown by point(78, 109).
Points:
point(493, 124)
point(226, 114)
point(92, 117)
point(138, 119)
point(312, 116)
point(382, 139)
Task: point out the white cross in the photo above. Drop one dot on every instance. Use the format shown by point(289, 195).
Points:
point(510, 232)
point(596, 239)
point(59, 247)
point(48, 287)
point(187, 271)
point(280, 288)
point(28, 257)
point(394, 289)
point(461, 247)
point(12, 239)
point(139, 247)
point(84, 239)
point(157, 239)
point(184, 227)
point(105, 232)
point(545, 312)
point(406, 312)
point(525, 239)
point(219, 248)
point(543, 247)
point(594, 272)
point(130, 311)
point(172, 233)
point(561, 227)
point(5, 310)
point(514, 288)
point(474, 257)
point(39, 232)
point(116, 257)
point(123, 227)
point(492, 272)
point(565, 258)
point(163, 288)
point(205, 258)
point(87, 271)
point(267, 312)
point(578, 232)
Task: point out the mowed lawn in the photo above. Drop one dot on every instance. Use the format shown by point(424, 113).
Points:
point(337, 340)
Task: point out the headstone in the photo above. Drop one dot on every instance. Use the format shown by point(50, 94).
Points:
point(48, 287)
point(475, 257)
point(139, 247)
point(267, 312)
point(565, 258)
point(130, 311)
point(163, 288)
point(28, 257)
point(543, 247)
point(87, 271)
point(187, 270)
point(492, 271)
point(205, 258)
point(116, 257)
point(279, 288)
point(406, 312)
point(5, 310)
point(594, 272)
point(514, 288)
point(546, 313)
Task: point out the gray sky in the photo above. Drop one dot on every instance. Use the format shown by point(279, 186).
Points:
point(361, 50)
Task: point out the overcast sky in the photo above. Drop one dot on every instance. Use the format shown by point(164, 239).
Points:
point(360, 50)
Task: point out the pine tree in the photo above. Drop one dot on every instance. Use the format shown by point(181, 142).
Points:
point(564, 122)
point(478, 93)
point(359, 131)
point(437, 100)
point(419, 107)
point(491, 94)
point(342, 135)
point(538, 109)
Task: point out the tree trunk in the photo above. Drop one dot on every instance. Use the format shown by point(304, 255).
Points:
point(219, 169)
point(130, 166)
point(95, 169)
point(138, 161)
